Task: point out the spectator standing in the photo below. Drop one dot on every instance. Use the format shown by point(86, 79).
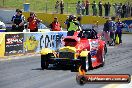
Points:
point(106, 30)
point(128, 9)
point(94, 7)
point(87, 7)
point(118, 32)
point(100, 8)
point(57, 6)
point(119, 10)
point(61, 6)
point(116, 9)
point(55, 25)
point(83, 7)
point(131, 10)
point(18, 21)
point(123, 11)
point(109, 6)
point(33, 22)
point(78, 8)
point(106, 9)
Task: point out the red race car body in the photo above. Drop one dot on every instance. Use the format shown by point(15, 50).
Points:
point(86, 50)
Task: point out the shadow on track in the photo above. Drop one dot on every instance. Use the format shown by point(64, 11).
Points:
point(64, 68)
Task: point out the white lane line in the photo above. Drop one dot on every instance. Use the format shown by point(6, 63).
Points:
point(129, 85)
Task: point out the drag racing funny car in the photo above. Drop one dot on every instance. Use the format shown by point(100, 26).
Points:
point(86, 50)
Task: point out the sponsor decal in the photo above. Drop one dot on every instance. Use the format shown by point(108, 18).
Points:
point(31, 43)
point(53, 41)
point(13, 44)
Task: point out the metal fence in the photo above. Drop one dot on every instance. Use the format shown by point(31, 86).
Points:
point(48, 7)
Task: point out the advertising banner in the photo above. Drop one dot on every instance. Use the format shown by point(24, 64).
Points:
point(34, 42)
point(2, 44)
point(31, 42)
point(52, 40)
point(13, 44)
point(127, 26)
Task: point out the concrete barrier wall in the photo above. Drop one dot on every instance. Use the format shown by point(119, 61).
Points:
point(20, 43)
point(48, 18)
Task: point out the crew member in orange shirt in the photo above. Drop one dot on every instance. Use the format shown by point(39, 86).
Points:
point(55, 25)
point(33, 22)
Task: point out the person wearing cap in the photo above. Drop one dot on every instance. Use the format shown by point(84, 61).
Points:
point(118, 31)
point(33, 22)
point(73, 25)
point(18, 21)
point(78, 22)
point(55, 25)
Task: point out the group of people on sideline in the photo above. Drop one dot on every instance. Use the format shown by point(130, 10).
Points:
point(110, 31)
point(83, 7)
point(121, 10)
point(113, 29)
point(19, 23)
point(59, 5)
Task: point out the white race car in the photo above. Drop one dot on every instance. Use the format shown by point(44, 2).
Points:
point(2, 25)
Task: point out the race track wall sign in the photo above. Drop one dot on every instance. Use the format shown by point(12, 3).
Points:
point(13, 44)
point(52, 40)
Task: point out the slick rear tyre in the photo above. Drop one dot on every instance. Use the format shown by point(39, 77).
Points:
point(83, 63)
point(90, 62)
point(44, 62)
point(105, 49)
point(103, 58)
point(74, 67)
point(87, 65)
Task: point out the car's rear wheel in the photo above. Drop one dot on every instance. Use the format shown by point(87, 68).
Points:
point(86, 64)
point(105, 49)
point(90, 62)
point(84, 61)
point(103, 57)
point(74, 67)
point(44, 61)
